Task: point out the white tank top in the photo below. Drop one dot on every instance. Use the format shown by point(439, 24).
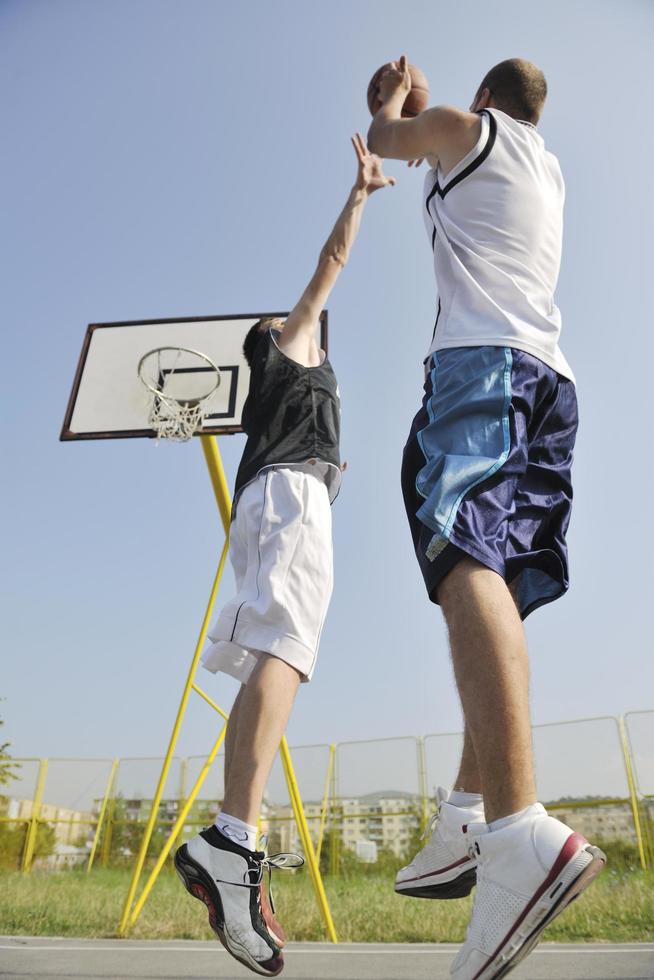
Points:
point(495, 222)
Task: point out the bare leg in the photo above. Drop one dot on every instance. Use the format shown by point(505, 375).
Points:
point(231, 734)
point(491, 668)
point(468, 779)
point(263, 711)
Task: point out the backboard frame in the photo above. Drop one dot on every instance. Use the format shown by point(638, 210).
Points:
point(67, 435)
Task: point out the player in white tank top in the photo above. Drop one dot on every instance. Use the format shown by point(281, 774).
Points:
point(486, 484)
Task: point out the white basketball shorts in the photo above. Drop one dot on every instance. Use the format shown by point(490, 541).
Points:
point(281, 551)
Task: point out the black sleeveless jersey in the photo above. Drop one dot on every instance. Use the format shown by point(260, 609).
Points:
point(291, 414)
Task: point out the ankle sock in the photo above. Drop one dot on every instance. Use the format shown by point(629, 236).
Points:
point(467, 800)
point(237, 830)
point(507, 821)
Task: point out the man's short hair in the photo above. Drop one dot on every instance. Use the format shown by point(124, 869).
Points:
point(518, 88)
point(252, 338)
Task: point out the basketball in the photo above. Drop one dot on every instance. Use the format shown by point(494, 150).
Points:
point(416, 101)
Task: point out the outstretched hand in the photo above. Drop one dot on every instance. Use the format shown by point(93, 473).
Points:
point(395, 78)
point(369, 177)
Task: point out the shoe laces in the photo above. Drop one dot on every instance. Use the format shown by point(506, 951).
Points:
point(282, 861)
point(431, 825)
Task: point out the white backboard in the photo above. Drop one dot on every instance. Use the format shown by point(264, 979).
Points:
point(108, 401)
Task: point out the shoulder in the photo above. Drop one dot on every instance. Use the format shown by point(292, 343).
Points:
point(447, 119)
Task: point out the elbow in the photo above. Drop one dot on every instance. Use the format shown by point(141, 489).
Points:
point(373, 138)
point(334, 255)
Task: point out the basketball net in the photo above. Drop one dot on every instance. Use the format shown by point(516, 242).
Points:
point(177, 416)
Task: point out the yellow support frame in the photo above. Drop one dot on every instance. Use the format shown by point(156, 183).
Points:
point(108, 795)
point(325, 801)
point(132, 908)
point(633, 794)
point(33, 828)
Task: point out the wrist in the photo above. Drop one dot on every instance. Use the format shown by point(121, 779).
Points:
point(392, 107)
point(358, 195)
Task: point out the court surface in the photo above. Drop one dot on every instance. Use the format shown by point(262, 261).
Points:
point(46, 957)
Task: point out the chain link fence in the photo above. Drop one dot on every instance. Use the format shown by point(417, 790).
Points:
point(366, 802)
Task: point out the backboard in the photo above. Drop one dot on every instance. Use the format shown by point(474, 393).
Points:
point(108, 401)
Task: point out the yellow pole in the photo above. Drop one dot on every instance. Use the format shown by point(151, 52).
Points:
point(103, 809)
point(218, 479)
point(171, 745)
point(635, 809)
point(325, 802)
point(183, 773)
point(422, 778)
point(109, 832)
point(33, 828)
point(210, 701)
point(309, 853)
point(177, 828)
point(334, 837)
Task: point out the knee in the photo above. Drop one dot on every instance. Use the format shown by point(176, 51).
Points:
point(468, 584)
point(454, 586)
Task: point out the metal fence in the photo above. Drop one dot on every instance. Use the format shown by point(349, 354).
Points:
point(365, 801)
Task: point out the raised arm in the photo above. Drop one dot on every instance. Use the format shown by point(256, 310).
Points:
point(298, 338)
point(442, 134)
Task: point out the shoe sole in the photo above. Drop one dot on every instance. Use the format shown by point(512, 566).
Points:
point(579, 872)
point(199, 884)
point(458, 887)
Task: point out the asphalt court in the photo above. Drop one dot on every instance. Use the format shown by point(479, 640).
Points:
point(41, 958)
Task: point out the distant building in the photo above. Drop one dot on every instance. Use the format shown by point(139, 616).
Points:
point(610, 822)
point(387, 819)
point(70, 826)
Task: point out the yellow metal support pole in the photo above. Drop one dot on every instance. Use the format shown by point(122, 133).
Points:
point(33, 828)
point(183, 774)
point(108, 794)
point(129, 916)
point(177, 828)
point(633, 795)
point(210, 701)
point(138, 867)
point(218, 479)
point(334, 837)
point(422, 780)
point(109, 832)
point(307, 845)
point(325, 802)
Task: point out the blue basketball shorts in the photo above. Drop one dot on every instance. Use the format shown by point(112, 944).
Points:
point(486, 470)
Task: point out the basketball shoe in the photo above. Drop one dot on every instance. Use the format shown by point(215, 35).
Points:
point(228, 879)
point(443, 868)
point(527, 873)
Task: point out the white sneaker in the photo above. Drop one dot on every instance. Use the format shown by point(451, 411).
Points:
point(228, 878)
point(527, 873)
point(443, 868)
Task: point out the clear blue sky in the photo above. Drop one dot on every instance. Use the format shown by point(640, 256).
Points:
point(168, 158)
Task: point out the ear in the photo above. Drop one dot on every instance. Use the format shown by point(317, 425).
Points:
point(483, 100)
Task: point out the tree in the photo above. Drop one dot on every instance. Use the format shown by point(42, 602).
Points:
point(7, 766)
point(12, 835)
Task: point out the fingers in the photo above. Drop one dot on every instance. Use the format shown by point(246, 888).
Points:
point(403, 64)
point(392, 181)
point(362, 144)
point(357, 148)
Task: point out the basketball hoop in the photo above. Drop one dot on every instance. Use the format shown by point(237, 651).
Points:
point(180, 382)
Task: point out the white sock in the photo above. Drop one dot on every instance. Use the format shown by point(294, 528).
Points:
point(237, 830)
point(467, 800)
point(507, 821)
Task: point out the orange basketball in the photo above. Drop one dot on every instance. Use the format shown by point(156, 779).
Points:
point(416, 101)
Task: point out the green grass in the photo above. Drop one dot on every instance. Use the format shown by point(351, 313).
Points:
point(619, 907)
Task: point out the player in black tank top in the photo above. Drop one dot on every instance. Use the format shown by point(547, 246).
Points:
point(280, 546)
